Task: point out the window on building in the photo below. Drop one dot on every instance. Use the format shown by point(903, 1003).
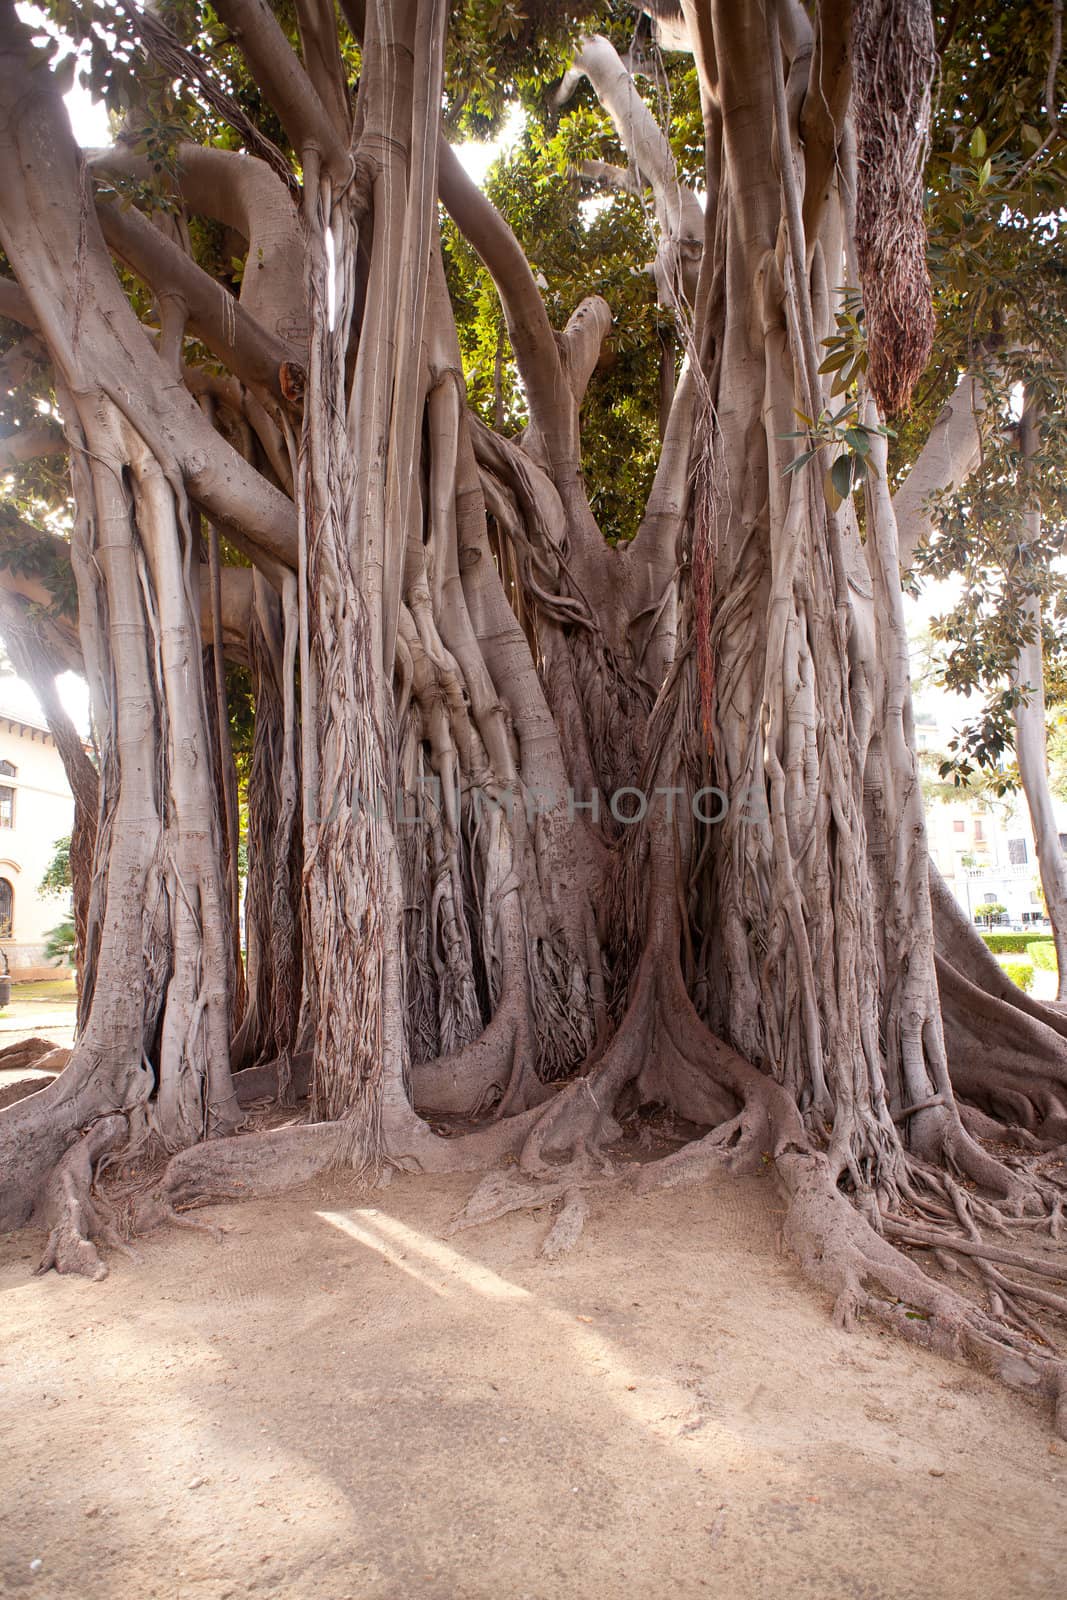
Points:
point(7, 805)
point(959, 825)
point(1063, 843)
point(1017, 852)
point(979, 832)
point(7, 908)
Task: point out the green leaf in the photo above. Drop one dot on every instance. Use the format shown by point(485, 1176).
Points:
point(841, 477)
point(859, 439)
point(978, 144)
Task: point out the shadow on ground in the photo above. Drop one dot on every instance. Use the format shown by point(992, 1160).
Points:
point(340, 1401)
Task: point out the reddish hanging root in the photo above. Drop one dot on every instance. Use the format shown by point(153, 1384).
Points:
point(893, 63)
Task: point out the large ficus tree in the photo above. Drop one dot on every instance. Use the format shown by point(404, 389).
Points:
point(544, 827)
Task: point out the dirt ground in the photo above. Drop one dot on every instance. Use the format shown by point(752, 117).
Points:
point(340, 1401)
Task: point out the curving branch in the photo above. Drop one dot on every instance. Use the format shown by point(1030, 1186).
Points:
point(582, 340)
point(230, 332)
point(947, 459)
point(552, 408)
point(245, 194)
point(679, 217)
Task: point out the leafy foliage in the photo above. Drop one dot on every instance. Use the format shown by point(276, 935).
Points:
point(1019, 970)
point(1009, 943)
point(997, 187)
point(60, 943)
point(1042, 953)
point(57, 879)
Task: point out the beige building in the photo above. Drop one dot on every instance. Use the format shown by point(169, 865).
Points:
point(36, 809)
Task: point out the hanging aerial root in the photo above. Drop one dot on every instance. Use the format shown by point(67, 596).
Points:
point(893, 64)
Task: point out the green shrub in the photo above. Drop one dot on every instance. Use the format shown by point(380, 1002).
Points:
point(1042, 953)
point(59, 943)
point(1020, 972)
point(1017, 943)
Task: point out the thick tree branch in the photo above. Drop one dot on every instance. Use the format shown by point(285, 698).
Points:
point(14, 305)
point(25, 592)
point(244, 194)
point(822, 118)
point(250, 351)
point(322, 60)
point(52, 238)
point(950, 454)
point(284, 82)
point(552, 408)
point(620, 178)
point(20, 360)
point(679, 218)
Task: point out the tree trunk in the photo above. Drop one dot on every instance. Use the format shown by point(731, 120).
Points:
point(519, 911)
point(1028, 680)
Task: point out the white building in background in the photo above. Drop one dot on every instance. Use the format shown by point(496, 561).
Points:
point(36, 809)
point(984, 849)
point(986, 855)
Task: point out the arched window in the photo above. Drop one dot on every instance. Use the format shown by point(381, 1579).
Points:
point(7, 908)
point(7, 770)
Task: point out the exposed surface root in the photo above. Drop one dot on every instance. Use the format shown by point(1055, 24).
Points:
point(735, 1147)
point(567, 1228)
point(500, 1193)
point(21, 1089)
point(838, 1236)
point(261, 1083)
point(67, 1209)
point(30, 1053)
point(240, 1167)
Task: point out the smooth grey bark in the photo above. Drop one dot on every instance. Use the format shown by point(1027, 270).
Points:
point(1028, 679)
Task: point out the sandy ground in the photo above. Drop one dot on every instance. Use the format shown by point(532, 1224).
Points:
point(338, 1400)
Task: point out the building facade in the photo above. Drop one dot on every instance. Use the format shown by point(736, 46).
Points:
point(36, 810)
point(987, 856)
